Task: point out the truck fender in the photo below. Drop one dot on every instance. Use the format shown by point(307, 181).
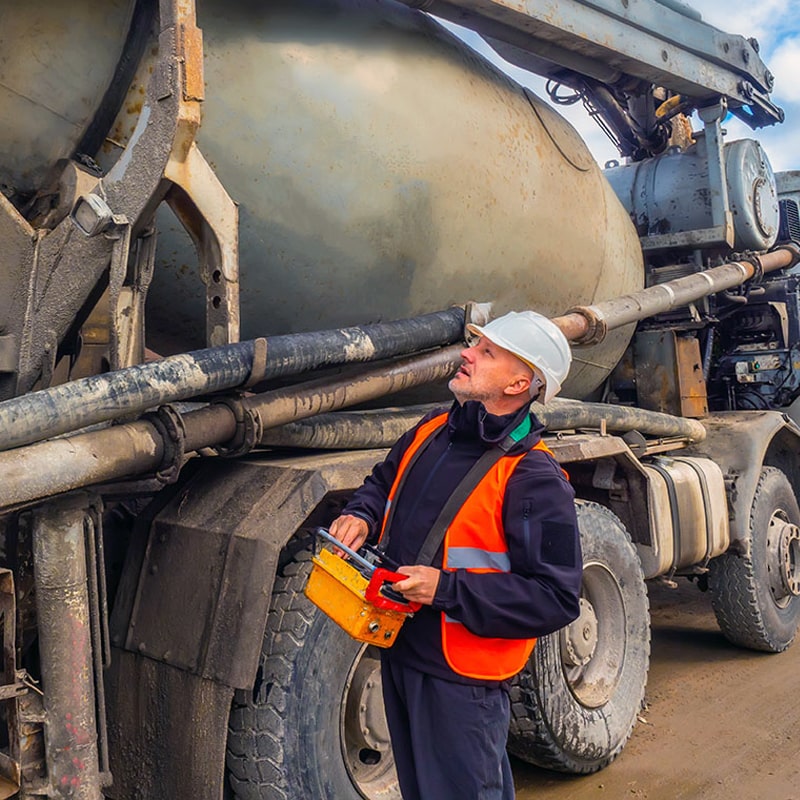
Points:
point(189, 615)
point(742, 442)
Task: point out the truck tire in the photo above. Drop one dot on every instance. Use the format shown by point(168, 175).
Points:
point(574, 705)
point(313, 726)
point(756, 594)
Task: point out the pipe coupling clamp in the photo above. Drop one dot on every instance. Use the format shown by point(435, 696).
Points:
point(170, 427)
point(258, 370)
point(597, 328)
point(248, 429)
point(755, 262)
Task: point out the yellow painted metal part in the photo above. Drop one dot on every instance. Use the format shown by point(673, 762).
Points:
point(337, 589)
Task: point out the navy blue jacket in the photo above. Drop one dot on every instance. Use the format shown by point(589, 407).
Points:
point(539, 595)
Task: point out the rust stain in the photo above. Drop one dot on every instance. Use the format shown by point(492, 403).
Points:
point(192, 54)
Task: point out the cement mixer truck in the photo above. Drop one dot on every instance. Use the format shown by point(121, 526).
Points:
point(240, 243)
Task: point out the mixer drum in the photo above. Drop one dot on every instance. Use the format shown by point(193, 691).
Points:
point(382, 169)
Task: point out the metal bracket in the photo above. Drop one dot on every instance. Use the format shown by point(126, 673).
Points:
point(248, 429)
point(721, 215)
point(169, 424)
point(755, 263)
point(258, 370)
point(211, 217)
point(13, 686)
point(475, 314)
point(120, 236)
point(8, 353)
point(127, 300)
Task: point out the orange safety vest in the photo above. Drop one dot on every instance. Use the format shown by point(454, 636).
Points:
point(475, 541)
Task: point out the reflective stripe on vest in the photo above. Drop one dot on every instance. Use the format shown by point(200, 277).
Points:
point(476, 559)
point(475, 541)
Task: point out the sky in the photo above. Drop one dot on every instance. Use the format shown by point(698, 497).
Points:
point(776, 25)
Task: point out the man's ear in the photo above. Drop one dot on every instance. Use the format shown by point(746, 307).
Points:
point(520, 385)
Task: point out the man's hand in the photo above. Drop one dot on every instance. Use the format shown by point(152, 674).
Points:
point(420, 585)
point(349, 530)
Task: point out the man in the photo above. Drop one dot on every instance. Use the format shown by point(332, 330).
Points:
point(508, 568)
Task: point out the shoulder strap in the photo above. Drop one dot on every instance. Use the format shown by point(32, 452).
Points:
point(464, 489)
point(457, 499)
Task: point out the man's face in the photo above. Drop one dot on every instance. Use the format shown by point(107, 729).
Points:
point(486, 372)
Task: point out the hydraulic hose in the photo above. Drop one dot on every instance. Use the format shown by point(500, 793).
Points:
point(383, 427)
point(562, 414)
point(348, 430)
point(130, 391)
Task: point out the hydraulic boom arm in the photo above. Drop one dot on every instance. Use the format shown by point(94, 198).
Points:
point(613, 50)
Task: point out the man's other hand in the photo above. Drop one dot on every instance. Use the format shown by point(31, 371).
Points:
point(349, 530)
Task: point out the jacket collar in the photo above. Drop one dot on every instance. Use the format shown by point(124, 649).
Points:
point(473, 421)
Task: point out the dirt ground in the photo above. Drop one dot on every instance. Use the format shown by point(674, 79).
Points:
point(720, 722)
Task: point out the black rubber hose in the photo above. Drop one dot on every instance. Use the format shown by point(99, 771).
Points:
point(45, 469)
point(562, 414)
point(301, 352)
point(130, 391)
point(348, 430)
point(352, 430)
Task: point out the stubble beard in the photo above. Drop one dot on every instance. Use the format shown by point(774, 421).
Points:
point(464, 393)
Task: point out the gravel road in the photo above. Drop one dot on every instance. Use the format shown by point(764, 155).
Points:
point(720, 722)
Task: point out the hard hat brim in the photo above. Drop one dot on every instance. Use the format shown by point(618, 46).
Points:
point(477, 330)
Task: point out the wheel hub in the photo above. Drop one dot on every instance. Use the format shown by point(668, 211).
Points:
point(579, 638)
point(371, 719)
point(783, 541)
point(593, 647)
point(367, 746)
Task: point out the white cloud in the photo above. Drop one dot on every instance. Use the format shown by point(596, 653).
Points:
point(785, 66)
point(766, 20)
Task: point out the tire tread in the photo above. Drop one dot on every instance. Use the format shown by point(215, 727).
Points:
point(255, 751)
point(735, 585)
point(532, 737)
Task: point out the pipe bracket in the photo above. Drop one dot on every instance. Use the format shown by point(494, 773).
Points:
point(169, 424)
point(477, 313)
point(248, 428)
point(258, 371)
point(755, 262)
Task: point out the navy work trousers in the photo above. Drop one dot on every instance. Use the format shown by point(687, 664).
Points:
point(449, 740)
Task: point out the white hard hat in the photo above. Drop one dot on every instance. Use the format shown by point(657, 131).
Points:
point(534, 339)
